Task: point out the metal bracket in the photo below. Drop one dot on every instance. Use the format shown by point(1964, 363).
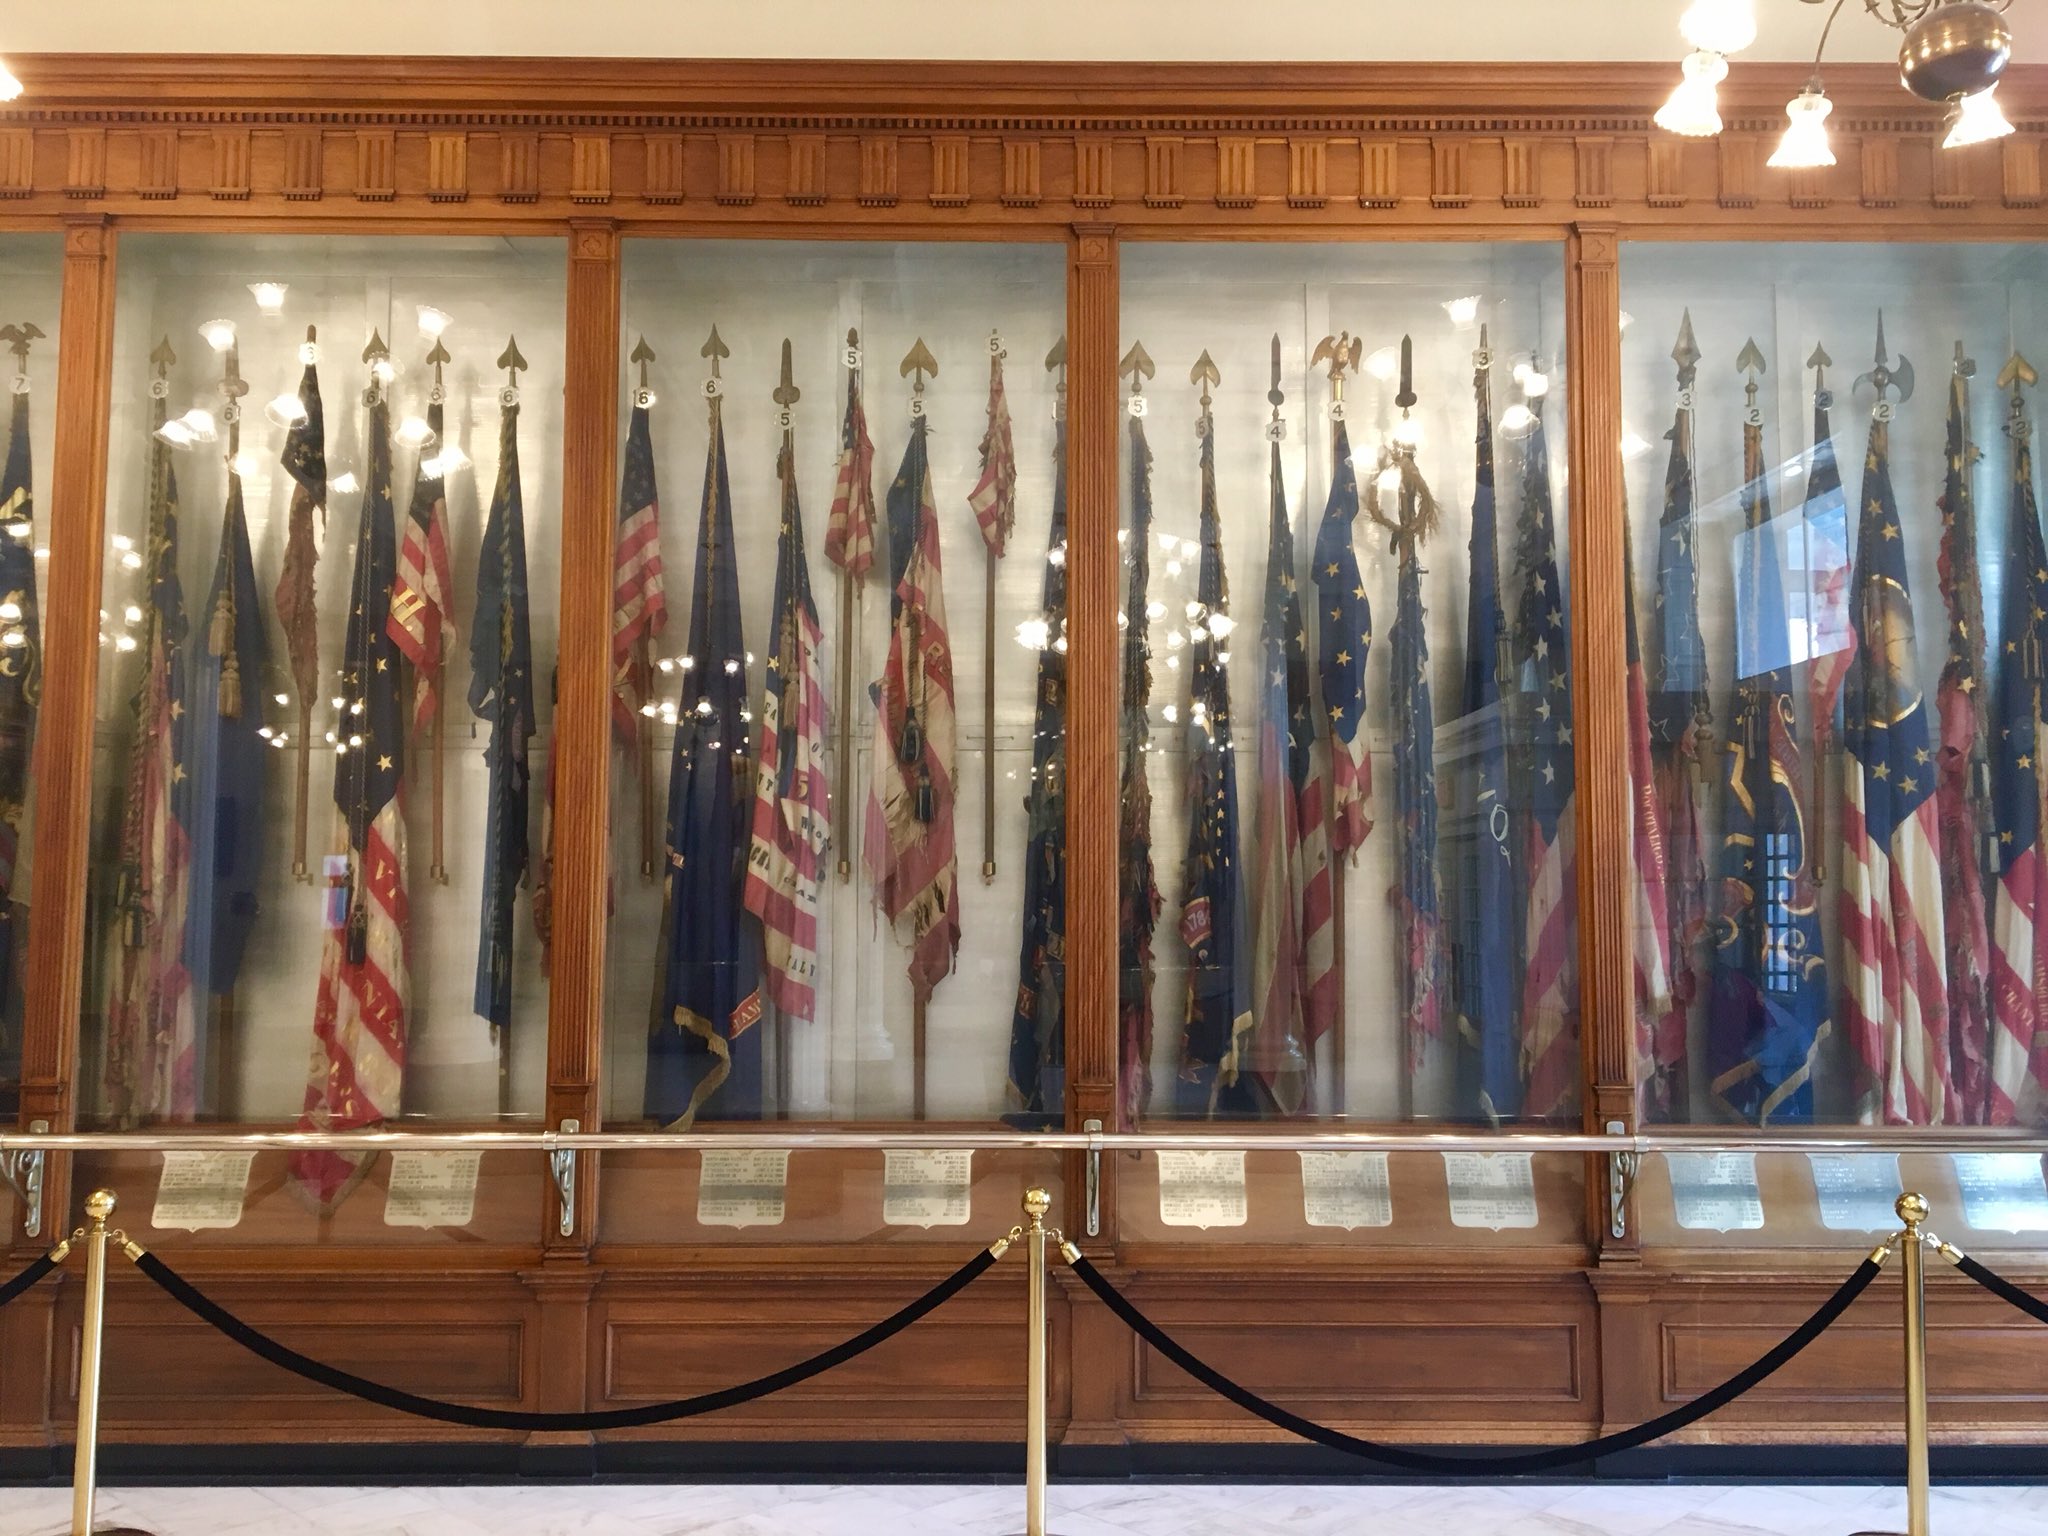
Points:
point(1094, 1130)
point(562, 1161)
point(23, 1170)
point(1622, 1168)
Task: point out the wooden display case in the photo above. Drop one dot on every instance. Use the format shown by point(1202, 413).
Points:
point(1596, 1321)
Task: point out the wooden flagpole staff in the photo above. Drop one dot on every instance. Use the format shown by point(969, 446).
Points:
point(438, 869)
point(1342, 352)
point(996, 354)
point(508, 399)
point(303, 788)
point(221, 642)
point(917, 363)
point(849, 596)
point(643, 665)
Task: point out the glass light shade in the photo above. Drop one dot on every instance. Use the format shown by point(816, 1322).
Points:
point(269, 296)
point(1694, 107)
point(1463, 311)
point(219, 334)
point(198, 425)
point(174, 433)
point(1805, 144)
point(1406, 433)
point(1517, 419)
point(345, 483)
point(434, 321)
point(1976, 120)
point(1383, 364)
point(414, 432)
point(450, 460)
point(10, 88)
point(285, 411)
point(1719, 26)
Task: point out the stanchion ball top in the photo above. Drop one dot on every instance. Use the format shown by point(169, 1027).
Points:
point(99, 1205)
point(1912, 1208)
point(1036, 1202)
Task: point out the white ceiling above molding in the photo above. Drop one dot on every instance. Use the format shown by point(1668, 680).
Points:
point(1307, 30)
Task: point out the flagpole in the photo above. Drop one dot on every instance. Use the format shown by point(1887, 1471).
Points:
point(849, 597)
point(917, 364)
point(228, 701)
point(990, 448)
point(643, 745)
point(1342, 352)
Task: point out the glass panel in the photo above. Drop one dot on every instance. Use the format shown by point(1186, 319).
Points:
point(33, 268)
point(319, 719)
point(1347, 882)
point(789, 915)
point(1838, 604)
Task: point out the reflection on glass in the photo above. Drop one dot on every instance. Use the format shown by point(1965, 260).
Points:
point(1429, 970)
point(309, 905)
point(823, 792)
point(31, 264)
point(1842, 797)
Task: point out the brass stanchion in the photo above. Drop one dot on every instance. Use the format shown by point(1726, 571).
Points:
point(99, 1205)
point(1912, 1243)
point(1035, 1232)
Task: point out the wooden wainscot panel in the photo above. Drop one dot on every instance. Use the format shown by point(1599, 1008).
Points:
point(735, 169)
point(156, 173)
point(231, 164)
point(304, 151)
point(2019, 168)
point(447, 167)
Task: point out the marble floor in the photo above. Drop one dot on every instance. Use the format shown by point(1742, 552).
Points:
point(1103, 1509)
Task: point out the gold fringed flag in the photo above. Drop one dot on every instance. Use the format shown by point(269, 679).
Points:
point(422, 621)
point(994, 497)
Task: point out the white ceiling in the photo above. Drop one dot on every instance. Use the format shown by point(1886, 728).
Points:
point(1328, 30)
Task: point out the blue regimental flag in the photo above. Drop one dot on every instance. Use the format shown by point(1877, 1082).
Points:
point(1415, 893)
point(1038, 1052)
point(1344, 627)
point(1482, 862)
point(1768, 1008)
point(501, 695)
point(225, 764)
point(707, 989)
point(21, 662)
point(1218, 1020)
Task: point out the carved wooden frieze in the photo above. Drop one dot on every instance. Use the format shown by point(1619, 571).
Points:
point(1307, 173)
point(1878, 162)
point(590, 168)
point(1162, 171)
point(804, 186)
point(878, 171)
point(1094, 173)
point(85, 173)
point(1237, 165)
point(1379, 178)
point(1521, 184)
point(735, 169)
point(2019, 169)
point(17, 162)
point(1020, 173)
point(951, 187)
point(304, 174)
point(231, 164)
point(447, 167)
point(1665, 187)
point(156, 169)
point(376, 165)
point(1594, 186)
point(519, 167)
point(1739, 158)
point(1450, 172)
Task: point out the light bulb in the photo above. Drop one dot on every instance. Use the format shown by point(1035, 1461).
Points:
point(1221, 624)
point(1805, 144)
point(285, 411)
point(265, 732)
point(1719, 26)
point(1463, 311)
point(414, 432)
point(453, 460)
point(1173, 567)
point(132, 561)
point(121, 642)
point(1975, 120)
point(122, 542)
point(345, 483)
point(281, 698)
point(219, 334)
point(22, 528)
point(1056, 557)
point(1535, 385)
point(1516, 419)
point(434, 321)
point(1167, 542)
point(10, 88)
point(1034, 634)
point(132, 614)
point(1192, 611)
point(269, 297)
point(199, 427)
point(650, 710)
point(42, 552)
point(1694, 107)
point(1171, 713)
point(1155, 609)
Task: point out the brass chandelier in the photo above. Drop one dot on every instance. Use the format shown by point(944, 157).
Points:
point(1954, 52)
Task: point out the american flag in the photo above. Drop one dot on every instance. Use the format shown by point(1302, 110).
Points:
point(1660, 1047)
point(151, 1050)
point(1964, 795)
point(1415, 894)
point(1292, 978)
point(1677, 701)
point(2019, 922)
point(1038, 1045)
point(994, 497)
point(1218, 1018)
point(1767, 1013)
point(1345, 631)
point(705, 1039)
point(422, 612)
point(21, 662)
point(1481, 854)
point(1893, 936)
point(850, 526)
point(1541, 643)
point(1138, 901)
point(792, 803)
point(501, 694)
point(639, 607)
point(908, 846)
point(357, 1073)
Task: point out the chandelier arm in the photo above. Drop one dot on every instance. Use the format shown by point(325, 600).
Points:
point(1813, 80)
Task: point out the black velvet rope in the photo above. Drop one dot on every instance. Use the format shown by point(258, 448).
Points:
point(27, 1279)
point(1488, 1466)
point(2003, 1288)
point(187, 1296)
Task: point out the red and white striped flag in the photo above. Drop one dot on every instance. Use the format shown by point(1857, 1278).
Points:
point(2019, 916)
point(1893, 933)
point(850, 527)
point(639, 605)
point(909, 846)
point(357, 1073)
point(422, 620)
point(994, 497)
point(792, 809)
